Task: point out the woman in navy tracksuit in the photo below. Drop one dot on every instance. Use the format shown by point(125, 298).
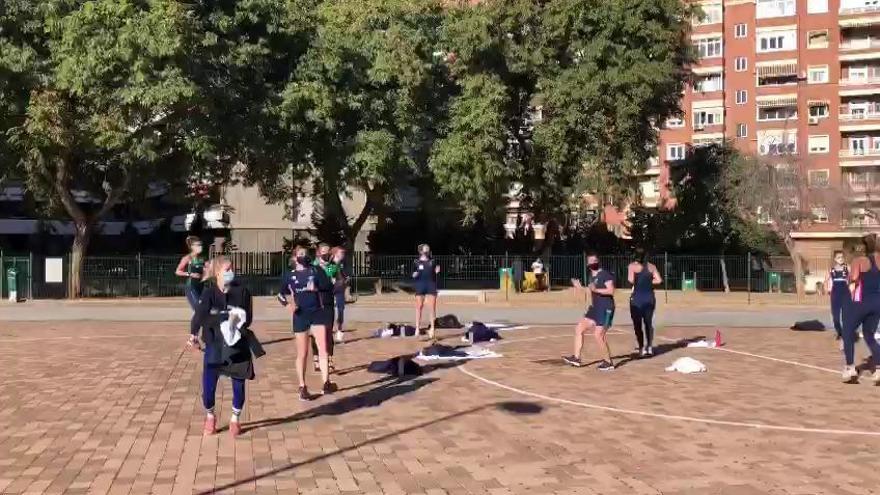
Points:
point(643, 276)
point(425, 270)
point(311, 311)
point(837, 286)
point(864, 310)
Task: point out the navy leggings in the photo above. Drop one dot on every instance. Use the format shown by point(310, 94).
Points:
point(193, 294)
point(642, 313)
point(866, 315)
point(839, 302)
point(210, 376)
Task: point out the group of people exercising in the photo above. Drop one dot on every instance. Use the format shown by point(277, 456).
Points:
point(313, 291)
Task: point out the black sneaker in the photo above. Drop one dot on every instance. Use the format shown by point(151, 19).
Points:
point(606, 366)
point(304, 394)
point(329, 387)
point(573, 360)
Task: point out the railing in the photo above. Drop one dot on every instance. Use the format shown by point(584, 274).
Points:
point(861, 223)
point(859, 44)
point(865, 9)
point(779, 8)
point(857, 153)
point(859, 112)
point(860, 81)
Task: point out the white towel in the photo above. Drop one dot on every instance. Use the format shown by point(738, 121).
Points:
point(701, 343)
point(687, 365)
point(472, 353)
point(231, 328)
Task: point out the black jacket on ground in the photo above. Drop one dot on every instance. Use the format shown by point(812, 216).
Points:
point(235, 361)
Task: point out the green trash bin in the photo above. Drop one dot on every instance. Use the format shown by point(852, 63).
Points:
point(688, 283)
point(505, 279)
point(12, 283)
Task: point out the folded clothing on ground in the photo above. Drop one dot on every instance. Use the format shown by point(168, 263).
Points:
point(445, 352)
point(687, 365)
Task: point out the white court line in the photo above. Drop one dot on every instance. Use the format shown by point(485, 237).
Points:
point(672, 417)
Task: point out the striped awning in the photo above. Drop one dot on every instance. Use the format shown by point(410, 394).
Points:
point(777, 69)
point(776, 101)
point(859, 21)
point(818, 103)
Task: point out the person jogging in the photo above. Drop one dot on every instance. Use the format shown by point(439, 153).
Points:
point(643, 276)
point(192, 268)
point(425, 271)
point(837, 287)
point(864, 310)
point(225, 301)
point(310, 289)
point(599, 315)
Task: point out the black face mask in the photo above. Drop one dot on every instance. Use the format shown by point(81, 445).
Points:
point(302, 260)
point(593, 266)
point(325, 257)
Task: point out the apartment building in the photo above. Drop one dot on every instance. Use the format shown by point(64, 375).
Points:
point(791, 77)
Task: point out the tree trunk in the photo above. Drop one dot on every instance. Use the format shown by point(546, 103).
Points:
point(724, 280)
point(797, 265)
point(81, 238)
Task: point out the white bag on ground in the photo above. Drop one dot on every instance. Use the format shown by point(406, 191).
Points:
point(687, 365)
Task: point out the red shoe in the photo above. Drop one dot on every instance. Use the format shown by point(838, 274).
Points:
point(234, 429)
point(210, 425)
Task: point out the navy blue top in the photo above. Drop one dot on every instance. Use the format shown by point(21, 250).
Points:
point(598, 280)
point(840, 281)
point(869, 282)
point(425, 270)
point(643, 284)
point(296, 282)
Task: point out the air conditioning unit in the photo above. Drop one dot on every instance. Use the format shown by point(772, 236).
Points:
point(813, 120)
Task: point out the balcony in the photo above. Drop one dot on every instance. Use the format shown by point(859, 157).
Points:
point(860, 153)
point(859, 44)
point(859, 113)
point(860, 81)
point(863, 9)
point(862, 186)
point(861, 223)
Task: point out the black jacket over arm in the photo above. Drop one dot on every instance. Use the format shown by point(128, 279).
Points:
point(235, 361)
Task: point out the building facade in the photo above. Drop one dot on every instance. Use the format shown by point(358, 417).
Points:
point(799, 78)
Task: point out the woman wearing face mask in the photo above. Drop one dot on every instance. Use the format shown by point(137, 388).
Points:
point(311, 291)
point(221, 358)
point(425, 271)
point(324, 261)
point(192, 267)
point(837, 287)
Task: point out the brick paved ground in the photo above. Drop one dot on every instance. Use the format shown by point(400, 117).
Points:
point(99, 407)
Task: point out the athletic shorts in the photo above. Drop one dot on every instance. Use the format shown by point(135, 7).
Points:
point(303, 321)
point(602, 314)
point(426, 288)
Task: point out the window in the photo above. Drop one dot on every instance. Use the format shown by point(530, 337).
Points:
point(742, 130)
point(817, 74)
point(817, 39)
point(740, 30)
point(857, 73)
point(817, 6)
point(711, 14)
point(675, 152)
point(674, 123)
point(820, 214)
point(741, 64)
point(818, 178)
point(742, 96)
point(818, 144)
point(708, 47)
point(707, 117)
point(777, 143)
point(777, 41)
point(777, 113)
point(857, 145)
point(820, 111)
point(706, 84)
point(774, 8)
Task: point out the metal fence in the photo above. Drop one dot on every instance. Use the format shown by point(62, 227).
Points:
point(150, 276)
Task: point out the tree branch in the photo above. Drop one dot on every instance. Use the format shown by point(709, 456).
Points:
point(61, 183)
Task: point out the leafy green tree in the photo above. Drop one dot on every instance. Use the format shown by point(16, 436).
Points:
point(548, 92)
point(358, 112)
point(94, 99)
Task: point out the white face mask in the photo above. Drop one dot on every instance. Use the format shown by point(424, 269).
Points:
point(228, 277)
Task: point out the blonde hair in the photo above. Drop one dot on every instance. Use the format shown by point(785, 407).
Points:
point(214, 267)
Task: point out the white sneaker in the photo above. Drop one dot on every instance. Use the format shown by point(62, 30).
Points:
point(340, 337)
point(850, 375)
point(876, 377)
